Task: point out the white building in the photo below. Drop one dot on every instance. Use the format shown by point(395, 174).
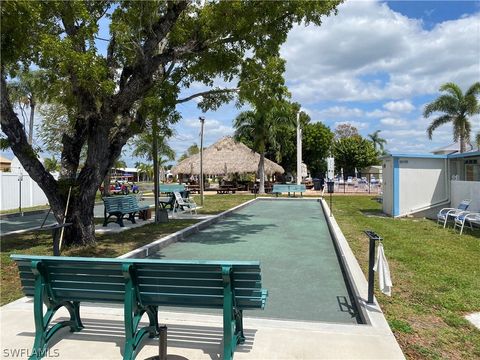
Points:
point(416, 183)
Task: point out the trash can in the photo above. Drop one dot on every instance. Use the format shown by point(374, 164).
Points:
point(317, 184)
point(162, 215)
point(330, 185)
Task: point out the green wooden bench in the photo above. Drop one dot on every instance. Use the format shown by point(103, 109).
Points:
point(119, 206)
point(288, 188)
point(141, 285)
point(171, 188)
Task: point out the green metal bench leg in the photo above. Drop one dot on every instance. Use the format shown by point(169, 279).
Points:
point(232, 334)
point(131, 217)
point(152, 312)
point(239, 326)
point(133, 312)
point(120, 220)
point(44, 333)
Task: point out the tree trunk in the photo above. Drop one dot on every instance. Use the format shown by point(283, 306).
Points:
point(106, 184)
point(261, 173)
point(80, 214)
point(32, 115)
point(462, 140)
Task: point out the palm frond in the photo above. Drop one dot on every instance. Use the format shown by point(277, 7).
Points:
point(453, 89)
point(472, 105)
point(441, 120)
point(445, 103)
point(473, 90)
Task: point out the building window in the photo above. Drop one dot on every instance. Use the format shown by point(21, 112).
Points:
point(472, 172)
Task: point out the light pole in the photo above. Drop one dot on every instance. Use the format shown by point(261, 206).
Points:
point(20, 179)
point(156, 182)
point(202, 122)
point(299, 150)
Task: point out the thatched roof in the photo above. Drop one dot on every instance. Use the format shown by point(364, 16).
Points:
point(226, 156)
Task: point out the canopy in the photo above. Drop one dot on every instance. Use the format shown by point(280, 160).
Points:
point(226, 156)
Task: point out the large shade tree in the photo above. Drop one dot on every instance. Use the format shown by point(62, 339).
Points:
point(454, 107)
point(353, 151)
point(152, 51)
point(317, 141)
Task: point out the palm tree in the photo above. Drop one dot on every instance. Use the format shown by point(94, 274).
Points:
point(477, 140)
point(144, 147)
point(377, 140)
point(147, 169)
point(262, 128)
point(456, 108)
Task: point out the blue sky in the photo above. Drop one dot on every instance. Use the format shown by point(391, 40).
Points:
point(374, 65)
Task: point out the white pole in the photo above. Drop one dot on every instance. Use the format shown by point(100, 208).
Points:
point(299, 150)
point(202, 121)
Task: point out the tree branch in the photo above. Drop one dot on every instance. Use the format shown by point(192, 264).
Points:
point(206, 93)
point(163, 26)
point(137, 78)
point(18, 142)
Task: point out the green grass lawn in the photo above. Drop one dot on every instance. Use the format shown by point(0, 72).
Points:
point(108, 245)
point(435, 271)
point(436, 279)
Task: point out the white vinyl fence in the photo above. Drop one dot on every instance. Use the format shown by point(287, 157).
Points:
point(31, 194)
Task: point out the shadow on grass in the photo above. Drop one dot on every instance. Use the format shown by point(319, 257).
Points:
point(374, 213)
point(26, 241)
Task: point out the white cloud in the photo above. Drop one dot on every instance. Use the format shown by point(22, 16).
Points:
point(393, 122)
point(377, 113)
point(370, 52)
point(404, 106)
point(335, 112)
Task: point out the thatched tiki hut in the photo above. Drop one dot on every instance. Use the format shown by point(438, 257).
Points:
point(226, 156)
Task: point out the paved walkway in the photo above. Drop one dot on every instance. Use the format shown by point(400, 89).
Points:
point(19, 224)
point(193, 336)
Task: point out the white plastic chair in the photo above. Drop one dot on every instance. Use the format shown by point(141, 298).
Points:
point(466, 217)
point(185, 204)
point(446, 213)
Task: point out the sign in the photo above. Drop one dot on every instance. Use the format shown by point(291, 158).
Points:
point(330, 167)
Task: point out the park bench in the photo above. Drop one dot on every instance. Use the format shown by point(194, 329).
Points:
point(171, 188)
point(288, 188)
point(142, 286)
point(119, 206)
